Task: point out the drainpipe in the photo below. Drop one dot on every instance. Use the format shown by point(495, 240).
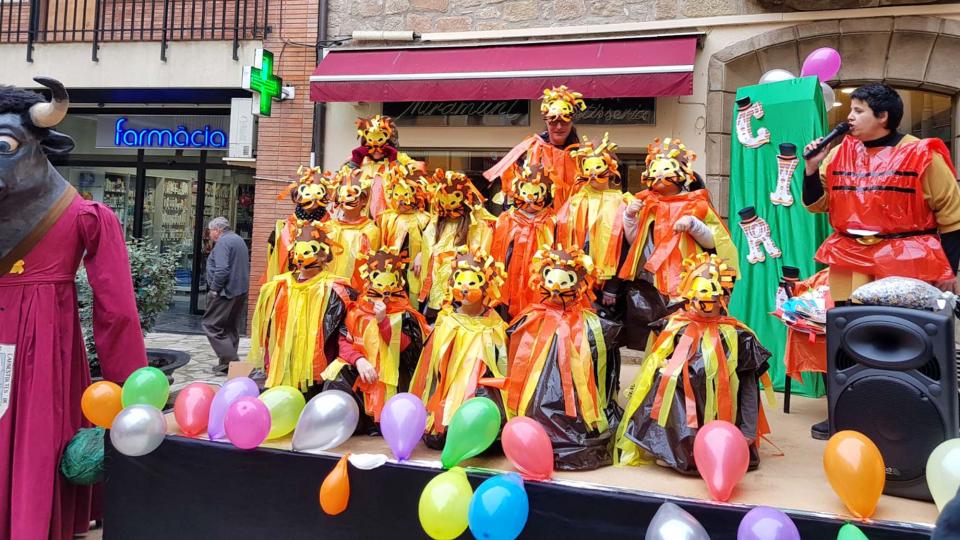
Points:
point(320, 109)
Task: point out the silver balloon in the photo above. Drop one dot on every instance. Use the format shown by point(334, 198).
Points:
point(326, 422)
point(775, 75)
point(674, 523)
point(138, 430)
point(829, 97)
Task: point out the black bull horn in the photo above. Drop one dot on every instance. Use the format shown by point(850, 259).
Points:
point(49, 114)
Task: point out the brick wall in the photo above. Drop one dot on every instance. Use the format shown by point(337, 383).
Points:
point(284, 140)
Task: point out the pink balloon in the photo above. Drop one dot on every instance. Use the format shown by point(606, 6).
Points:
point(192, 408)
point(402, 422)
point(823, 62)
point(247, 422)
point(228, 393)
point(528, 447)
point(722, 457)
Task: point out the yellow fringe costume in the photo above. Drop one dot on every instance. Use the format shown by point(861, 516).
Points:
point(465, 355)
point(356, 235)
point(403, 224)
point(592, 217)
point(457, 205)
point(310, 195)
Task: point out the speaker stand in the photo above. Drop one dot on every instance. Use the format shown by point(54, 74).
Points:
point(786, 394)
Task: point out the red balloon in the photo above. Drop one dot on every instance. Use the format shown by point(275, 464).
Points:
point(192, 408)
point(722, 457)
point(528, 447)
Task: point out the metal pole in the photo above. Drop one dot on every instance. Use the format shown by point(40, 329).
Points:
point(236, 31)
point(163, 31)
point(320, 109)
point(32, 30)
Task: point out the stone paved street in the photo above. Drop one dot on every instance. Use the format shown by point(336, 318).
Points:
point(202, 358)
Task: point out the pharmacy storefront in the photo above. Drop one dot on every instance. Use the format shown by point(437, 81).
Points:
point(165, 177)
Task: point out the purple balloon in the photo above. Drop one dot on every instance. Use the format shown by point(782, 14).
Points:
point(247, 422)
point(402, 422)
point(228, 393)
point(823, 62)
point(765, 523)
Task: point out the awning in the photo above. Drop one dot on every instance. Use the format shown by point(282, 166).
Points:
point(597, 69)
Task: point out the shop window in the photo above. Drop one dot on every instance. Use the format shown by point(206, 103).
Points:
point(925, 114)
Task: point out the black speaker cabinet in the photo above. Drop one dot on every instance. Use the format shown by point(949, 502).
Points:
point(893, 377)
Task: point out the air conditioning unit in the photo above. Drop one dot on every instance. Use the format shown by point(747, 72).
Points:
point(243, 129)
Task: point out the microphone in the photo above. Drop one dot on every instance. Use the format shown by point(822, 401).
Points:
point(839, 131)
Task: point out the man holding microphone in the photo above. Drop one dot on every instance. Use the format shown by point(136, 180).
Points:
point(893, 199)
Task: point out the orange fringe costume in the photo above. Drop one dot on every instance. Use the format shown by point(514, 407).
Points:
point(392, 346)
point(807, 351)
point(310, 193)
point(704, 366)
point(557, 103)
point(593, 217)
point(519, 232)
point(658, 248)
point(403, 224)
point(296, 324)
point(378, 134)
point(562, 362)
point(349, 228)
point(465, 355)
point(457, 219)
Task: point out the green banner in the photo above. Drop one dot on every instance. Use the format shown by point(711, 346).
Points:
point(792, 112)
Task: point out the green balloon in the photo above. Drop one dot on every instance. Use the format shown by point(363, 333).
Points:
point(851, 532)
point(472, 430)
point(285, 404)
point(146, 386)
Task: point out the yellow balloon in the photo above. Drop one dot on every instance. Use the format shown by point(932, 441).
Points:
point(285, 404)
point(943, 472)
point(445, 503)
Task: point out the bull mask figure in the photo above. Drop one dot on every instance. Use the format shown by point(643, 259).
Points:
point(29, 184)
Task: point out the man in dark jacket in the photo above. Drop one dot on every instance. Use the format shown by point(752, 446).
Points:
point(228, 279)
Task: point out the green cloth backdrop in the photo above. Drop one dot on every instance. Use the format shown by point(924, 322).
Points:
point(794, 113)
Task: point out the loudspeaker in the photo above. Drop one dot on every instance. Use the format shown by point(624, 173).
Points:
point(892, 376)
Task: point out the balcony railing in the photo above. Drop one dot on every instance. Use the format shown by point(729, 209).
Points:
point(163, 21)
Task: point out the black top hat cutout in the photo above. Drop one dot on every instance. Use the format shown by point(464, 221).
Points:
point(748, 213)
point(788, 150)
point(743, 102)
point(791, 272)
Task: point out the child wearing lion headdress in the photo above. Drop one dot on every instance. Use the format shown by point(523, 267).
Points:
point(466, 354)
point(704, 366)
point(386, 332)
point(376, 156)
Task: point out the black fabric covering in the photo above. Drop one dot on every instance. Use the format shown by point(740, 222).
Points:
point(189, 489)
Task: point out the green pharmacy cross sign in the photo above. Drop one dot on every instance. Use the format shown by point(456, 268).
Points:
point(260, 80)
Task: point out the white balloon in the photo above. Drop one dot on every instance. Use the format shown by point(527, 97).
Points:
point(138, 430)
point(775, 75)
point(829, 96)
point(326, 422)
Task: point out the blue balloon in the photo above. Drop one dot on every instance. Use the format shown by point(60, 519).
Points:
point(499, 508)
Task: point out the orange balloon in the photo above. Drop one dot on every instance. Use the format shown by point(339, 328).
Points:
point(855, 470)
point(335, 490)
point(101, 403)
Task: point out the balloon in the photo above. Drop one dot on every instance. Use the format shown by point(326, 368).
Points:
point(472, 430)
point(445, 505)
point(335, 490)
point(528, 447)
point(823, 62)
point(851, 532)
point(776, 75)
point(285, 404)
point(855, 470)
point(499, 508)
point(402, 422)
point(829, 97)
point(192, 408)
point(146, 386)
point(230, 391)
point(722, 456)
point(101, 403)
point(674, 523)
point(247, 422)
point(326, 422)
point(138, 430)
point(943, 472)
point(764, 523)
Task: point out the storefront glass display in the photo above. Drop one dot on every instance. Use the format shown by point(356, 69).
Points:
point(925, 114)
